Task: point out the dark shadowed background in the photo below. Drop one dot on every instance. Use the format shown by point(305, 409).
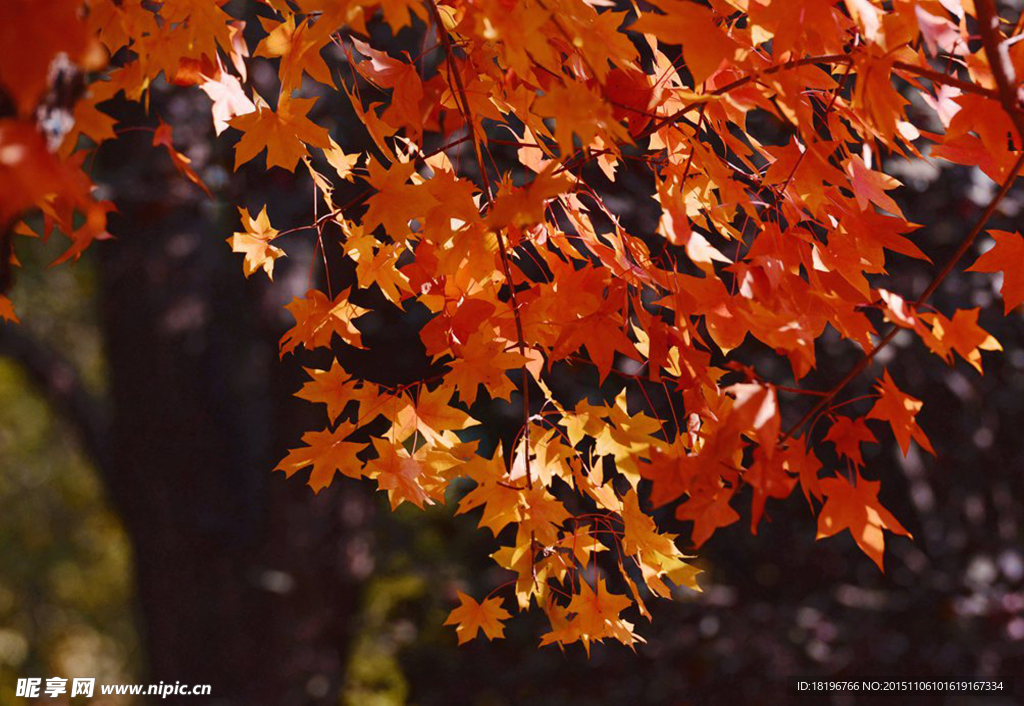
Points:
point(144, 538)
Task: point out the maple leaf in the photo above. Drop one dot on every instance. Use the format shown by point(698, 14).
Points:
point(640, 536)
point(961, 334)
point(403, 77)
point(564, 630)
point(472, 617)
point(526, 206)
point(93, 228)
point(899, 409)
point(578, 111)
point(91, 122)
point(856, 508)
point(376, 263)
point(944, 103)
point(7, 312)
point(874, 95)
point(432, 415)
point(254, 242)
point(939, 33)
point(499, 498)
point(848, 434)
point(335, 388)
point(898, 310)
point(800, 459)
point(317, 319)
point(709, 509)
point(299, 47)
point(283, 133)
point(770, 477)
point(162, 137)
point(484, 362)
point(229, 100)
point(597, 616)
point(705, 46)
point(400, 474)
point(396, 201)
point(870, 186)
point(327, 452)
point(1006, 256)
point(756, 409)
point(342, 163)
point(542, 515)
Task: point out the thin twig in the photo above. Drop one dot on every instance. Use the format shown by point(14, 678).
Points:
point(937, 280)
point(467, 114)
point(921, 71)
point(992, 41)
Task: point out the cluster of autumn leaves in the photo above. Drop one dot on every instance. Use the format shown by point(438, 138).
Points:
point(505, 235)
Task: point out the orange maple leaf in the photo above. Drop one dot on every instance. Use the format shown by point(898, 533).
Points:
point(326, 451)
point(7, 310)
point(317, 319)
point(472, 617)
point(899, 409)
point(856, 508)
point(705, 46)
point(848, 434)
point(961, 334)
point(597, 616)
point(771, 477)
point(162, 137)
point(229, 100)
point(709, 508)
point(299, 48)
point(1006, 256)
point(406, 478)
point(284, 133)
point(335, 388)
point(499, 498)
point(870, 186)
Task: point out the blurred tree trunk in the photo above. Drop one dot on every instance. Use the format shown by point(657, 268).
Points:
point(244, 580)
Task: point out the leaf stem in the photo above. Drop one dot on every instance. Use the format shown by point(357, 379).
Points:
point(467, 114)
point(937, 280)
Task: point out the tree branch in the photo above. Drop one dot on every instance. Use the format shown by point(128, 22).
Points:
point(992, 41)
point(965, 244)
point(999, 61)
point(467, 114)
point(921, 71)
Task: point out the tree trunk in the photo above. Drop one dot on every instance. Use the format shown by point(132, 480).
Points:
point(245, 580)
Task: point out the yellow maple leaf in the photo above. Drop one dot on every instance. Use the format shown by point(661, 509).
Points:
point(254, 242)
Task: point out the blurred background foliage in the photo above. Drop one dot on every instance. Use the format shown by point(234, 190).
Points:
point(345, 600)
point(66, 586)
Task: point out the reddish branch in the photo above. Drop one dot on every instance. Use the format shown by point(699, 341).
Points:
point(937, 280)
point(467, 114)
point(999, 61)
point(992, 40)
point(921, 71)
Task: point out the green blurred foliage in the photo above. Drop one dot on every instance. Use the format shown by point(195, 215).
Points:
point(65, 585)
